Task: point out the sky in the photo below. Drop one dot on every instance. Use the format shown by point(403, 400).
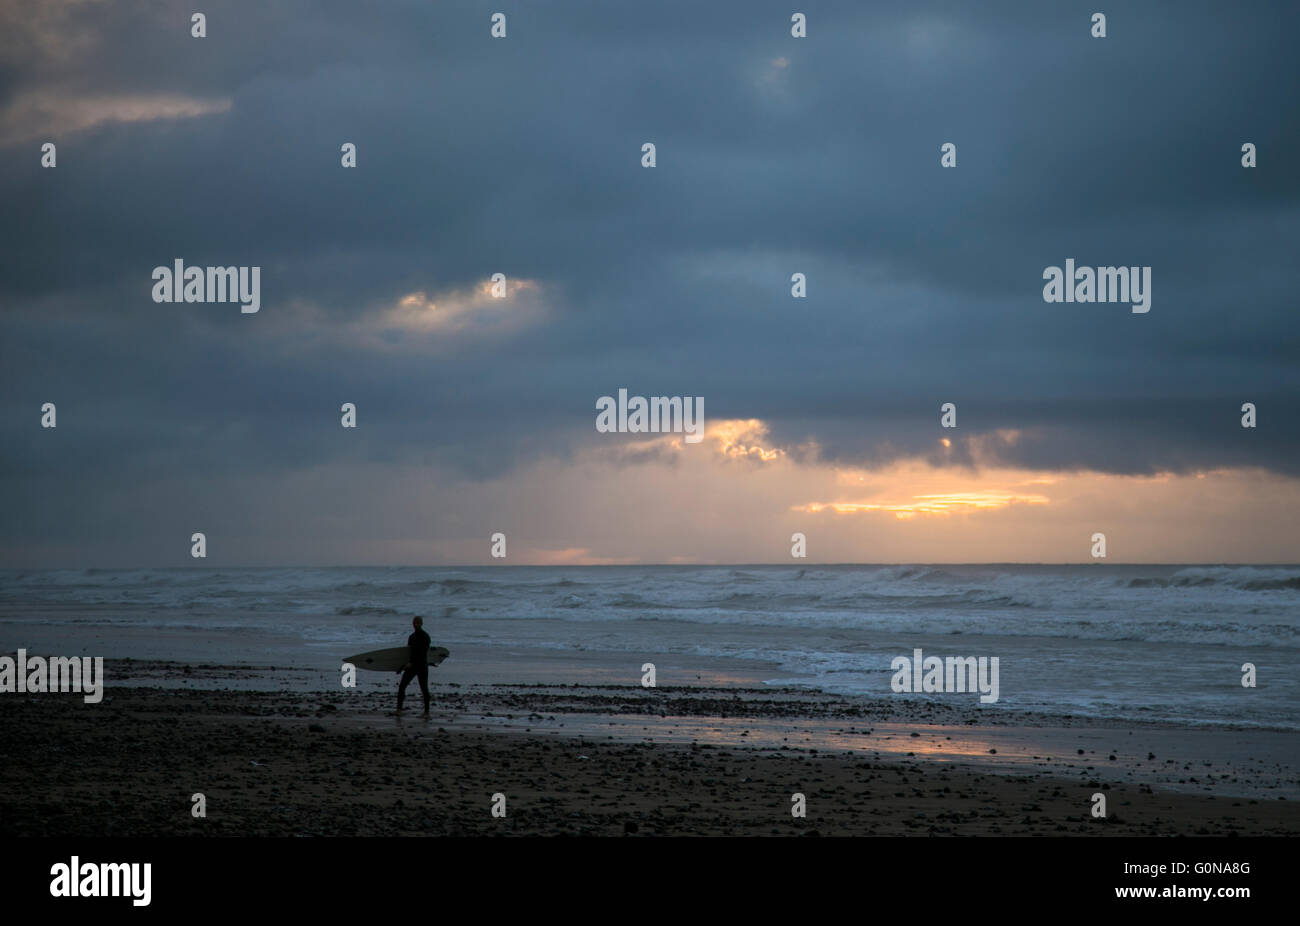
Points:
point(522, 155)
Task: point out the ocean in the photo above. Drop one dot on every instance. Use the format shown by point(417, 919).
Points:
point(1156, 643)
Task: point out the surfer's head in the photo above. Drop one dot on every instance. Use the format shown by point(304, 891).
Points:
point(417, 622)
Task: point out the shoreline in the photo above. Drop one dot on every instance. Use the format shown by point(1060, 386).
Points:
point(610, 760)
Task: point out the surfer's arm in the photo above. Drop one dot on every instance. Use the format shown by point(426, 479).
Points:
point(412, 652)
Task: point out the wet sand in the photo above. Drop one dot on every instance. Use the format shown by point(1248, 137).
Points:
point(613, 761)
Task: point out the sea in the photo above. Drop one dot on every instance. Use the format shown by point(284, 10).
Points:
point(1167, 643)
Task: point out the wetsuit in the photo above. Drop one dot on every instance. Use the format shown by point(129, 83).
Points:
point(418, 643)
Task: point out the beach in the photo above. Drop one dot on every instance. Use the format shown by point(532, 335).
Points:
point(607, 760)
point(768, 682)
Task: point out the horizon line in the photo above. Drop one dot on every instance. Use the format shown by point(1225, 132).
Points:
point(647, 565)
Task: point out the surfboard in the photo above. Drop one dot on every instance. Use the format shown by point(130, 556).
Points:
point(392, 660)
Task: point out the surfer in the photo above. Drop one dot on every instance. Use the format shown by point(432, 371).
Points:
point(418, 665)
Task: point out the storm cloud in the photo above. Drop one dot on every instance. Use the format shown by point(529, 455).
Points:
point(522, 156)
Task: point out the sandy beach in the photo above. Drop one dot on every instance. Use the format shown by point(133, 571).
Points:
point(574, 759)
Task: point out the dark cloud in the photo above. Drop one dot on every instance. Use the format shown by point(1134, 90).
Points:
point(522, 156)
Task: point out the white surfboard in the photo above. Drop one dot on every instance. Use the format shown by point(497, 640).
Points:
point(392, 660)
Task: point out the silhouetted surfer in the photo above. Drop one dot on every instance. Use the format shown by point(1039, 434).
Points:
point(418, 666)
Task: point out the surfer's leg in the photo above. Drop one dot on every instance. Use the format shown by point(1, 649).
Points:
point(424, 687)
point(401, 689)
